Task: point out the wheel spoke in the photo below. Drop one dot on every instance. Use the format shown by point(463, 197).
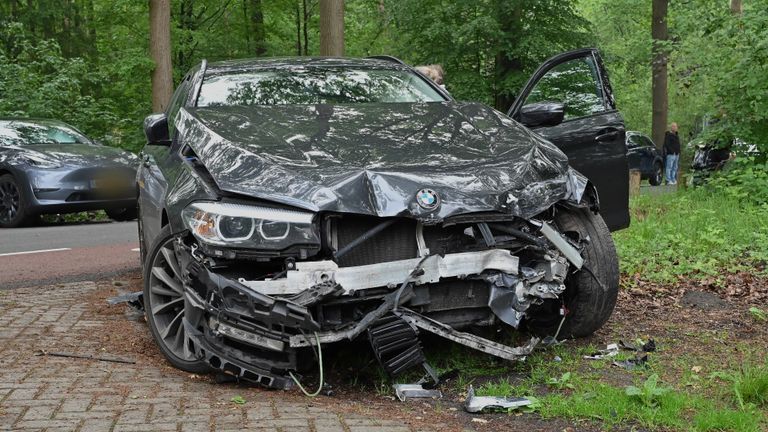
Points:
point(163, 307)
point(163, 291)
point(174, 325)
point(169, 281)
point(170, 258)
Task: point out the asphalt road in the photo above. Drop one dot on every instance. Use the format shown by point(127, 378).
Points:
point(66, 252)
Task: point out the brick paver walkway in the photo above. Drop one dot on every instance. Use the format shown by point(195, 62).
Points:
point(39, 392)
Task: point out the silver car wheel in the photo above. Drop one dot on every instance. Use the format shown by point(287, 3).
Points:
point(166, 303)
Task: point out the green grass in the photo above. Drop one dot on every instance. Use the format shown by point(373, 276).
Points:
point(692, 233)
point(672, 409)
point(749, 385)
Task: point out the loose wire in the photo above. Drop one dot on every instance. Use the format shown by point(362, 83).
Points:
point(320, 362)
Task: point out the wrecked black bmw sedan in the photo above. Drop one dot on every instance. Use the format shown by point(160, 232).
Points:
point(286, 204)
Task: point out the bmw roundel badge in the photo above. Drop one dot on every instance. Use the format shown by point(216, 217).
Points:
point(428, 199)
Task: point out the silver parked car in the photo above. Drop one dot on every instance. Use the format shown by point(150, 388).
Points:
point(47, 166)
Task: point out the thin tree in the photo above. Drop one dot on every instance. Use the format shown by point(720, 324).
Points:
point(332, 28)
point(736, 7)
point(160, 52)
point(659, 69)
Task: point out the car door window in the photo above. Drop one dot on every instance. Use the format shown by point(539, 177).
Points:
point(646, 142)
point(633, 141)
point(574, 83)
point(178, 100)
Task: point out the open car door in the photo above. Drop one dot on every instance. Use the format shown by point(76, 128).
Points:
point(569, 101)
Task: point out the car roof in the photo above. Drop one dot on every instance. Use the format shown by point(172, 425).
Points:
point(41, 121)
point(233, 66)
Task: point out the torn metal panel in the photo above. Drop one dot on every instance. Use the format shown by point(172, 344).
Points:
point(134, 300)
point(409, 391)
point(311, 273)
point(476, 404)
point(467, 339)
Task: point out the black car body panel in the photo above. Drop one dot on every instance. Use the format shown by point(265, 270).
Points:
point(593, 139)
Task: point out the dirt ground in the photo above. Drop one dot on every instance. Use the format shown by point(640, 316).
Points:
point(697, 325)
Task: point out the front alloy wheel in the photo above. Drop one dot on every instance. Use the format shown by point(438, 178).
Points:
point(12, 212)
point(164, 305)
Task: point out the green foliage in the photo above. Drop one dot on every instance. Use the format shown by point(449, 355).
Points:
point(561, 383)
point(743, 179)
point(758, 314)
point(694, 233)
point(749, 385)
point(238, 400)
point(649, 393)
point(487, 47)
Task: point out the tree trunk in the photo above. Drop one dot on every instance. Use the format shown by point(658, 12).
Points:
point(659, 69)
point(298, 30)
point(332, 28)
point(160, 52)
point(736, 7)
point(257, 29)
point(510, 22)
point(306, 24)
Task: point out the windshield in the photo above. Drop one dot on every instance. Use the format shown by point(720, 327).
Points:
point(295, 86)
point(19, 133)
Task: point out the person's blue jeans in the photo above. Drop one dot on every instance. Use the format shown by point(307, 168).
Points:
point(671, 167)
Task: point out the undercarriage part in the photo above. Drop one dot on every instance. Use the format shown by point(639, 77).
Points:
point(386, 306)
point(570, 252)
point(316, 293)
point(395, 344)
point(386, 274)
point(512, 295)
point(467, 339)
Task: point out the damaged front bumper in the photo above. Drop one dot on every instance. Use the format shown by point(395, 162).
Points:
point(262, 330)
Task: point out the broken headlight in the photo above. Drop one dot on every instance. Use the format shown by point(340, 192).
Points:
point(244, 226)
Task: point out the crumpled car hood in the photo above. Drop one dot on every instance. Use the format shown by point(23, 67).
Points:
point(373, 158)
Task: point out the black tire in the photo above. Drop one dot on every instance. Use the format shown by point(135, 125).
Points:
point(122, 214)
point(658, 174)
point(164, 305)
point(13, 206)
point(589, 302)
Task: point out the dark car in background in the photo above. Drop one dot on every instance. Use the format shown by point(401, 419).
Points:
point(47, 166)
point(286, 204)
point(643, 156)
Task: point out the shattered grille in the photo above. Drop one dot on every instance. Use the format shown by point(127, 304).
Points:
point(396, 242)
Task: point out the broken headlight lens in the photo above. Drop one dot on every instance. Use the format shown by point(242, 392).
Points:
point(227, 224)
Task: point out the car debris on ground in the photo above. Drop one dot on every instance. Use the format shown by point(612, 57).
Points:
point(477, 404)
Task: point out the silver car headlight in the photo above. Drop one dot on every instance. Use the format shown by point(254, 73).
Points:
point(244, 226)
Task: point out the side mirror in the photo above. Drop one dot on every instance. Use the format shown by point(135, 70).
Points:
point(542, 114)
point(156, 130)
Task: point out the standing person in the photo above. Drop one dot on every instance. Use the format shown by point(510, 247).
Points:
point(672, 152)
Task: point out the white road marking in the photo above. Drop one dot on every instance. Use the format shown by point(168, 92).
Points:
point(35, 251)
point(135, 250)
